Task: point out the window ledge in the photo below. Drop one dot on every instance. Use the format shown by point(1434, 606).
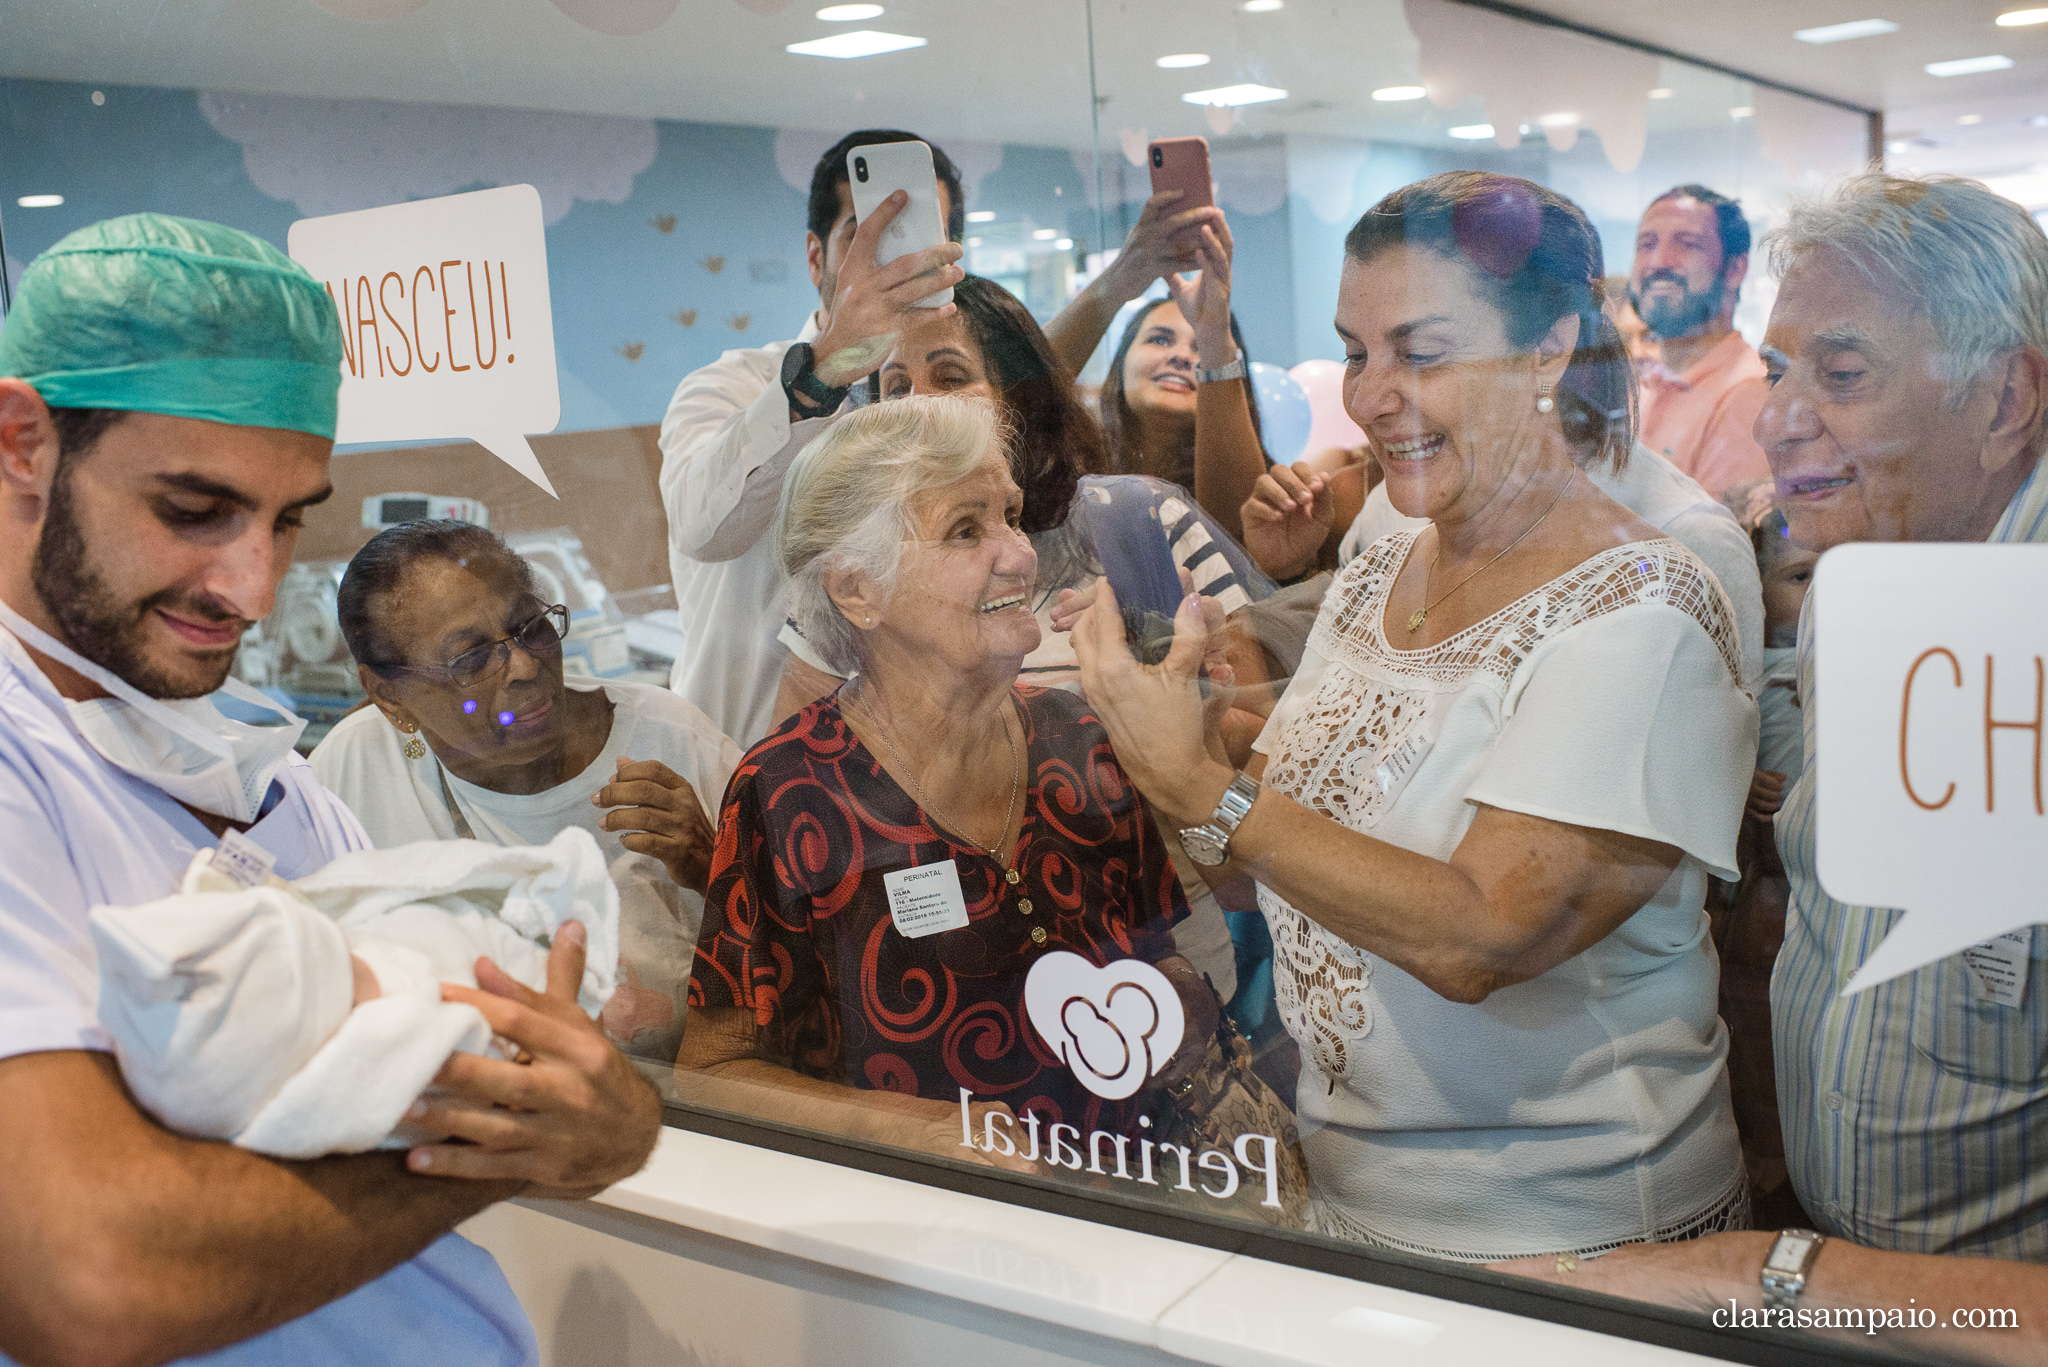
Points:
point(1204, 1304)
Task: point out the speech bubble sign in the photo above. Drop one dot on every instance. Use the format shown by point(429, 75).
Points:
point(1929, 676)
point(446, 326)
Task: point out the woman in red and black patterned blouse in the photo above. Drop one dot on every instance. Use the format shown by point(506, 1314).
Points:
point(827, 997)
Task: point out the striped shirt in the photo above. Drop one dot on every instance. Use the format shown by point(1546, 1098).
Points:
point(1915, 1117)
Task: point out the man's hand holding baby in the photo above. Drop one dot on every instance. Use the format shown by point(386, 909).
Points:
point(571, 1121)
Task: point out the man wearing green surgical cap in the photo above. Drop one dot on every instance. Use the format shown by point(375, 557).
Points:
point(167, 405)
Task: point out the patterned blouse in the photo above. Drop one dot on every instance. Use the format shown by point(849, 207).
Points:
point(1586, 1106)
point(797, 924)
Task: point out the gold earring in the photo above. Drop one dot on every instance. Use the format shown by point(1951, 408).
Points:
point(415, 748)
point(1543, 400)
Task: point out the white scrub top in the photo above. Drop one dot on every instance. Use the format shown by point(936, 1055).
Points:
point(78, 832)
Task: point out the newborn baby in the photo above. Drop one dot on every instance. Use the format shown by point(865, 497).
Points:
point(300, 1019)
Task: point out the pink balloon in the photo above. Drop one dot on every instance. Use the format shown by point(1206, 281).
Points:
point(1332, 426)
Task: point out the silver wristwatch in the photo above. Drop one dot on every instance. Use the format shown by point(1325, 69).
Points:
point(1232, 371)
point(1786, 1267)
point(1209, 845)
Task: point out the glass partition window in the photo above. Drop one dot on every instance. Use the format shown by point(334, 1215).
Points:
point(1283, 710)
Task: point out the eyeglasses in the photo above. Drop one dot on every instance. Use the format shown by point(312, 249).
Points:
point(540, 636)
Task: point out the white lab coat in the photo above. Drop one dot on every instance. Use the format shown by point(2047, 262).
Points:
point(726, 443)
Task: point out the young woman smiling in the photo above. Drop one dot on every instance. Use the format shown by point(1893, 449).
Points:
point(1177, 403)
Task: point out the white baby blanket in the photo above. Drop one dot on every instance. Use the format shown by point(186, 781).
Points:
point(230, 1008)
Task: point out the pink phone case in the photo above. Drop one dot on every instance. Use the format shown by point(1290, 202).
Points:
point(1183, 164)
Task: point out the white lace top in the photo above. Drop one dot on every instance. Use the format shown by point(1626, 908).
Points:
point(1587, 1106)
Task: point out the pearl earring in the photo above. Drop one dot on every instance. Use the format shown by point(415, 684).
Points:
point(1543, 400)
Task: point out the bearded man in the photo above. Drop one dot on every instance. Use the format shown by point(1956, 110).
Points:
point(1700, 399)
point(168, 392)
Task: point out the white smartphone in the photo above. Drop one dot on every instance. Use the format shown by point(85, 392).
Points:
point(874, 173)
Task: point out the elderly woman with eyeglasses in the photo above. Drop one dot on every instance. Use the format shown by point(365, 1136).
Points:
point(475, 734)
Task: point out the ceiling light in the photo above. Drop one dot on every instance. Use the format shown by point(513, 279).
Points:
point(1065, 244)
point(981, 216)
point(2014, 18)
point(1971, 118)
point(1175, 61)
point(865, 42)
point(1393, 94)
point(1471, 132)
point(1229, 96)
point(1856, 28)
point(846, 14)
point(2038, 121)
point(40, 201)
point(1662, 92)
point(1557, 121)
point(1044, 234)
point(1261, 6)
point(1742, 111)
point(1967, 66)
point(1897, 149)
point(974, 242)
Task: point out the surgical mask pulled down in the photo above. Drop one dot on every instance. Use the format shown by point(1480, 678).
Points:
point(187, 747)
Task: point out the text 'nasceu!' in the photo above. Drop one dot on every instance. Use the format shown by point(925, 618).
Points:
point(398, 297)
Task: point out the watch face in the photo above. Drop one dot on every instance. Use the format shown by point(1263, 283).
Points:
point(1788, 1254)
point(1203, 847)
point(794, 361)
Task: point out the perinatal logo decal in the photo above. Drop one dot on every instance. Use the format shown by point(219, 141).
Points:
point(1113, 1026)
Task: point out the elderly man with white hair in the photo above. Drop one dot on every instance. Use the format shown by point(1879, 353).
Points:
point(1908, 354)
point(1908, 358)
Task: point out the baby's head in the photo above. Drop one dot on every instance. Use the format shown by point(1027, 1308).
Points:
point(1785, 566)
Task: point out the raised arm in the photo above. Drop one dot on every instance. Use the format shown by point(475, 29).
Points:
point(1228, 456)
point(730, 433)
point(1161, 241)
point(726, 442)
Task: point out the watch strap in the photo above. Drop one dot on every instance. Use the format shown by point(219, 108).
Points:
point(808, 394)
point(1230, 810)
point(1233, 371)
point(1783, 1283)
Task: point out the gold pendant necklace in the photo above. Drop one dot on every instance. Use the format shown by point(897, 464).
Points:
point(1421, 614)
point(1010, 875)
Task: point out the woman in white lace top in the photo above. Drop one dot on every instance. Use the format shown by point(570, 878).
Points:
point(1492, 795)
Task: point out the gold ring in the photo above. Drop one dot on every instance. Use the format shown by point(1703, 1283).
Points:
point(1567, 1262)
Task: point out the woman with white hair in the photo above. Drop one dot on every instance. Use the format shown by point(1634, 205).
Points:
point(835, 987)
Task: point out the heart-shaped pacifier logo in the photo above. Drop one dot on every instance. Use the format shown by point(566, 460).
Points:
point(1114, 1026)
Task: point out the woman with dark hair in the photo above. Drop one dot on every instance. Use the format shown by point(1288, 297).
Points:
point(1482, 817)
point(1177, 403)
point(475, 734)
point(1008, 359)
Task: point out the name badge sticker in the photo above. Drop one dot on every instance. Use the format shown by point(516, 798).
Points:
point(243, 860)
point(1998, 969)
point(1398, 765)
point(926, 900)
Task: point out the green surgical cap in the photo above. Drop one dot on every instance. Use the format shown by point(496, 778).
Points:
point(155, 314)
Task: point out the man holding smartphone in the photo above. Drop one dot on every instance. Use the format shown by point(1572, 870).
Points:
point(734, 426)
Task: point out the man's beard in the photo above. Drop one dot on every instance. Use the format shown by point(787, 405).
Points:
point(95, 624)
point(1681, 317)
